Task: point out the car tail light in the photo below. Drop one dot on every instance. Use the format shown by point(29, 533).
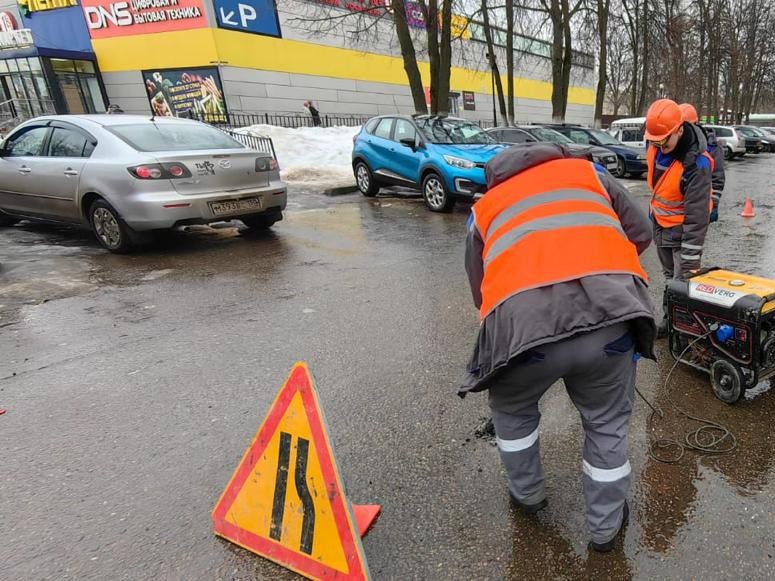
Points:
point(266, 164)
point(160, 171)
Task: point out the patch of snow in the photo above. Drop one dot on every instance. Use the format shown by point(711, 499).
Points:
point(759, 389)
point(311, 157)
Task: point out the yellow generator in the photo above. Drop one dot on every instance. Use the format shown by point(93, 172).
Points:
point(723, 323)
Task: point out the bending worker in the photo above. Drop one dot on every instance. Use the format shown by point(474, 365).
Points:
point(679, 177)
point(718, 177)
point(552, 259)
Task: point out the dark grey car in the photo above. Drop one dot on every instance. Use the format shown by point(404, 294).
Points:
point(513, 135)
point(123, 175)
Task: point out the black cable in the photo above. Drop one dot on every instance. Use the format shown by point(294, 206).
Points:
point(706, 439)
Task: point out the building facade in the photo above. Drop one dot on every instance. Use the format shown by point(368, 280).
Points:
point(257, 56)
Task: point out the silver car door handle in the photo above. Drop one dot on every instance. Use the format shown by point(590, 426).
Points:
point(71, 172)
point(24, 170)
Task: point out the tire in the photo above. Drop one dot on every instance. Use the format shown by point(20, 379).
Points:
point(728, 153)
point(727, 381)
point(435, 194)
point(261, 221)
point(365, 181)
point(621, 168)
point(6, 220)
point(109, 229)
point(636, 175)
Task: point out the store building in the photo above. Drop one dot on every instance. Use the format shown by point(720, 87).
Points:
point(251, 56)
point(47, 63)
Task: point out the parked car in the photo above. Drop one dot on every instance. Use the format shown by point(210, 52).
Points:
point(753, 141)
point(768, 130)
point(730, 138)
point(629, 160)
point(125, 175)
point(443, 157)
point(630, 132)
point(767, 139)
point(513, 135)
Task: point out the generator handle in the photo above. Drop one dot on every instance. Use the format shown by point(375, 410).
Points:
point(769, 297)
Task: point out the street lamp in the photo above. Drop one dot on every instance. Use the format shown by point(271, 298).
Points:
point(490, 59)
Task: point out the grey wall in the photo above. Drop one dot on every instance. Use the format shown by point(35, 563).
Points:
point(257, 91)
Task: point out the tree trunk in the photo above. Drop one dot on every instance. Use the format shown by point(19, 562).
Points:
point(555, 13)
point(445, 57)
point(510, 59)
point(644, 80)
point(492, 60)
point(409, 57)
point(430, 10)
point(602, 79)
point(567, 58)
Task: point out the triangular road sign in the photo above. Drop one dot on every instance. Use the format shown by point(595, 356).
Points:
point(286, 501)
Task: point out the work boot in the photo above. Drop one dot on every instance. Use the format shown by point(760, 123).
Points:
point(608, 546)
point(529, 509)
point(662, 328)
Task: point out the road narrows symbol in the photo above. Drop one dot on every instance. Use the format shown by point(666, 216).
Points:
point(308, 524)
point(281, 486)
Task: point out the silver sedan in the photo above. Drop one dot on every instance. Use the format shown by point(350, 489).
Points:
point(126, 175)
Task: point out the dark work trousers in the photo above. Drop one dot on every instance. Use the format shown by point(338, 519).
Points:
point(598, 369)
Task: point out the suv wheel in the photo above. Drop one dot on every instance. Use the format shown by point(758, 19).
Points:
point(435, 194)
point(621, 169)
point(728, 153)
point(367, 185)
point(109, 228)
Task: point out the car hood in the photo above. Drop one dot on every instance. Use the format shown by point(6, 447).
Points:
point(478, 153)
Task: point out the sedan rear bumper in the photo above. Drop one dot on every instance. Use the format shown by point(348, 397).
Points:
point(163, 210)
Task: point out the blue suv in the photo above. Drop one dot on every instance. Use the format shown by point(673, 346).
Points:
point(443, 157)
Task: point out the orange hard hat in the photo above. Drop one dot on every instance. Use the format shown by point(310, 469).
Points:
point(662, 119)
point(689, 112)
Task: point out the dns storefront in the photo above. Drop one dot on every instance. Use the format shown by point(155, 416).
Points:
point(47, 64)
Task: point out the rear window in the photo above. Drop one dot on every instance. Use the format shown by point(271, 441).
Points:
point(632, 135)
point(722, 132)
point(174, 137)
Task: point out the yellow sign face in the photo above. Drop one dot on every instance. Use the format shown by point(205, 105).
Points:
point(285, 500)
point(40, 5)
point(459, 27)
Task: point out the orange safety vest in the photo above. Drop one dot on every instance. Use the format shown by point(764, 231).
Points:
point(667, 201)
point(549, 224)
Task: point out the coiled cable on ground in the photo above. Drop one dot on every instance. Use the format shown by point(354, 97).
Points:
point(710, 438)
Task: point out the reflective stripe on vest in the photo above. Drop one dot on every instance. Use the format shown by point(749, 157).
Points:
point(667, 201)
point(549, 224)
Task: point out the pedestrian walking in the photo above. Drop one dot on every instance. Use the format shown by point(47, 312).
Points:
point(679, 177)
point(552, 260)
point(718, 176)
point(313, 112)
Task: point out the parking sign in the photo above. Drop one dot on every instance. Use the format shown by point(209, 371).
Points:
point(255, 16)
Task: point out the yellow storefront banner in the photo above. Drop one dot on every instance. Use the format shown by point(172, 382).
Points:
point(208, 46)
point(40, 5)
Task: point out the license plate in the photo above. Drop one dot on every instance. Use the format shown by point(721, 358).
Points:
point(611, 164)
point(235, 206)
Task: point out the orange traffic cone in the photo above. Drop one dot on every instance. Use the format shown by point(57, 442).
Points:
point(748, 209)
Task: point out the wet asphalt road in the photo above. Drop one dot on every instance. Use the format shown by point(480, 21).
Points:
point(133, 385)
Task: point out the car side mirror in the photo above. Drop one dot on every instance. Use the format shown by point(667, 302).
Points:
point(409, 142)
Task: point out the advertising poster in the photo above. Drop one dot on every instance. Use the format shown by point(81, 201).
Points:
point(185, 92)
point(469, 101)
point(110, 18)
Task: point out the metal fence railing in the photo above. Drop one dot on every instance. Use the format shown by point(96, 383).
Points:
point(264, 144)
point(291, 120)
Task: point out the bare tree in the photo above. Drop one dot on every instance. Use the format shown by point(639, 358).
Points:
point(602, 12)
point(492, 59)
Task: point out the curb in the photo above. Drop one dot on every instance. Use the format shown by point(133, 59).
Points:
point(340, 190)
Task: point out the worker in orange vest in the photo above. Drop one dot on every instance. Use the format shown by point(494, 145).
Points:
point(718, 176)
point(552, 260)
point(679, 177)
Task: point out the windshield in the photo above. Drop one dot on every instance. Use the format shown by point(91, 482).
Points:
point(545, 134)
point(452, 131)
point(174, 137)
point(604, 138)
point(747, 131)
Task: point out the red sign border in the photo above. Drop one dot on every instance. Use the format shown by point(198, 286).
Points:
point(299, 381)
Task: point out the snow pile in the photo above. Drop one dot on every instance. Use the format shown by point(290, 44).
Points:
point(311, 157)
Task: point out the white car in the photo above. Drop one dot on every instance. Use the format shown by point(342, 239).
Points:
point(630, 132)
point(730, 139)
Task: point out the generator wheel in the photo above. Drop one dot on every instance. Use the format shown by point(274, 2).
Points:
point(727, 381)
